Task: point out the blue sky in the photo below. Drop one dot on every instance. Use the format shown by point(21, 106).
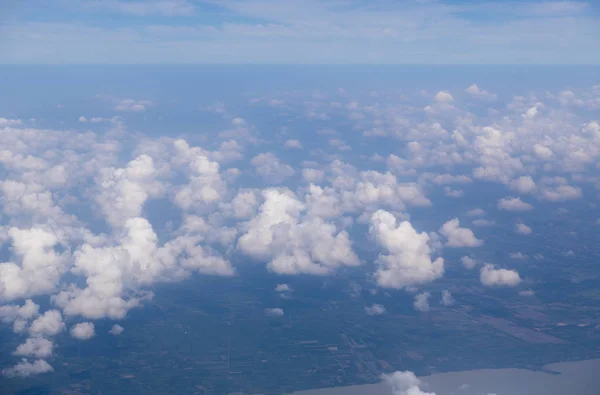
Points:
point(299, 32)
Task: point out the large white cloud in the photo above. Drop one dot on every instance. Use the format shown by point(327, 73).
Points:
point(291, 243)
point(38, 267)
point(407, 261)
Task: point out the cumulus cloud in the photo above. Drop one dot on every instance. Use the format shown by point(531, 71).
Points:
point(269, 167)
point(274, 312)
point(490, 276)
point(468, 262)
point(513, 204)
point(375, 309)
point(37, 268)
point(560, 193)
point(476, 212)
point(523, 184)
point(26, 368)
point(404, 383)
point(523, 229)
point(49, 324)
point(447, 298)
point(292, 144)
point(474, 91)
point(421, 302)
point(283, 288)
point(292, 243)
point(36, 347)
point(131, 105)
point(83, 331)
point(457, 236)
point(443, 97)
point(116, 330)
point(313, 175)
point(407, 261)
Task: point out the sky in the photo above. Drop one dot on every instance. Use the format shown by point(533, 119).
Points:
point(299, 32)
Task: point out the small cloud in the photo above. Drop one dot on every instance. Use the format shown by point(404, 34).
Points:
point(375, 309)
point(116, 330)
point(468, 262)
point(513, 204)
point(459, 237)
point(83, 331)
point(421, 302)
point(523, 229)
point(274, 312)
point(444, 97)
point(490, 276)
point(474, 91)
point(292, 144)
point(518, 255)
point(528, 292)
point(130, 105)
point(447, 299)
point(283, 288)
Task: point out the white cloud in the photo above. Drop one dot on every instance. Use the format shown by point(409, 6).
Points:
point(123, 192)
point(293, 144)
point(115, 270)
point(205, 185)
point(408, 260)
point(274, 312)
point(83, 331)
point(474, 91)
point(49, 324)
point(443, 97)
point(527, 292)
point(542, 151)
point(116, 330)
point(10, 122)
point(37, 268)
point(468, 262)
point(530, 113)
point(269, 167)
point(375, 309)
point(459, 237)
point(36, 347)
point(447, 299)
point(421, 302)
point(560, 193)
point(26, 368)
point(513, 204)
point(490, 276)
point(476, 212)
point(283, 288)
point(523, 229)
point(454, 193)
point(292, 243)
point(404, 383)
point(518, 255)
point(313, 175)
point(523, 184)
point(130, 105)
point(483, 222)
